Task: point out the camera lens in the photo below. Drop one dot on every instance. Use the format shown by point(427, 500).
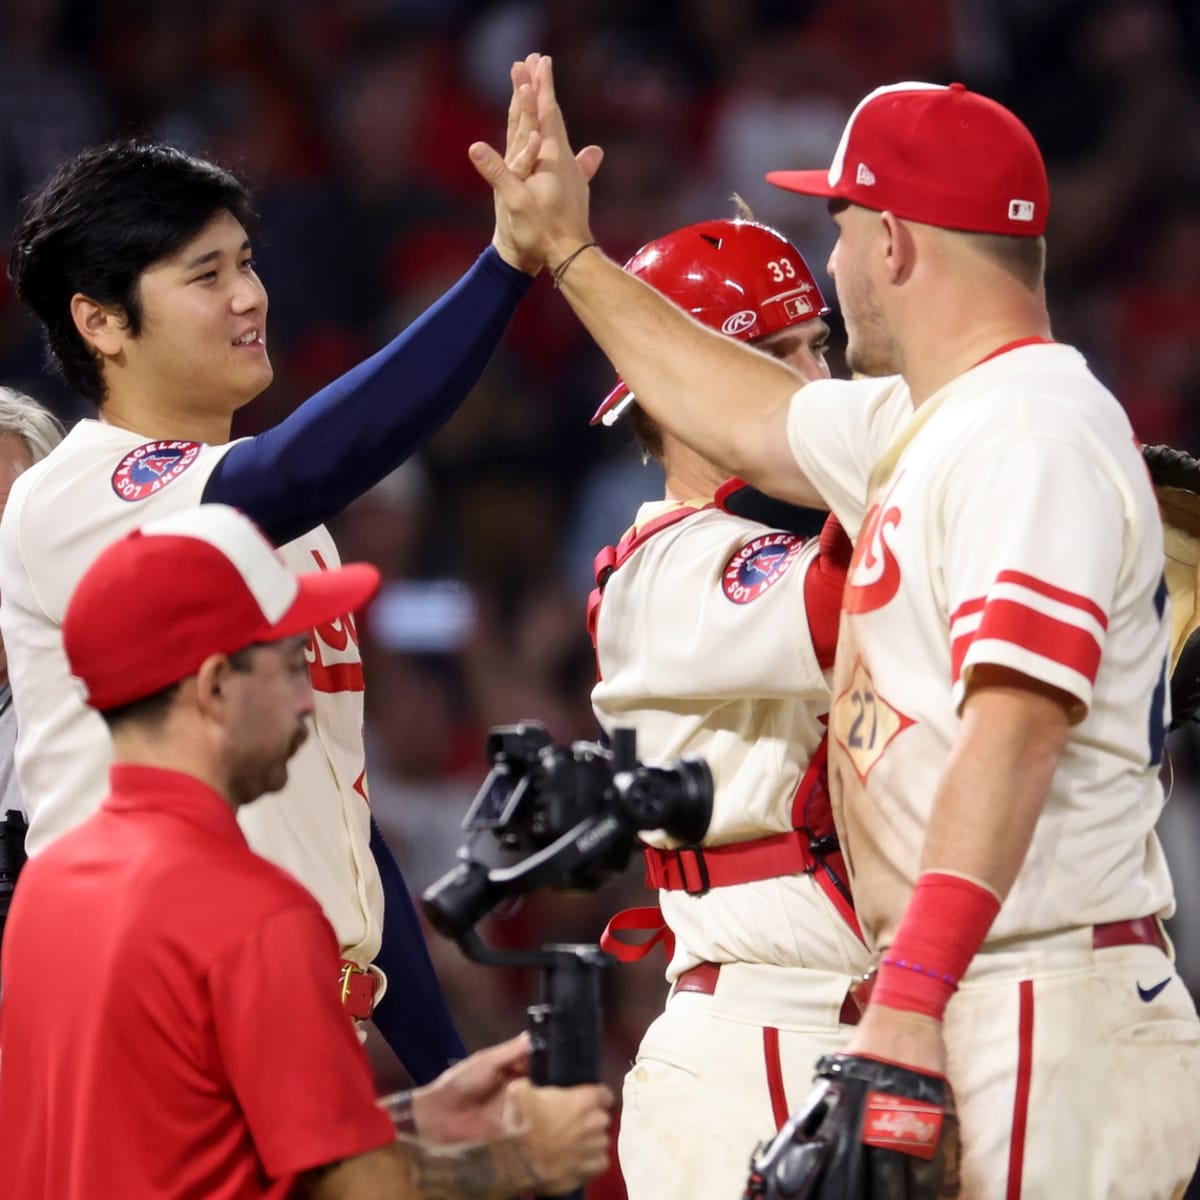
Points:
point(463, 896)
point(676, 798)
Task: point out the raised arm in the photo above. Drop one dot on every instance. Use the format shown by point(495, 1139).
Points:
point(353, 432)
point(725, 400)
point(343, 440)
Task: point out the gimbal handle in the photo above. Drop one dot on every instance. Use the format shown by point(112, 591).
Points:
point(564, 1026)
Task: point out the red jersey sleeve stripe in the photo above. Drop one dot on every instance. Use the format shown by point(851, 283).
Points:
point(1047, 637)
point(967, 607)
point(1055, 593)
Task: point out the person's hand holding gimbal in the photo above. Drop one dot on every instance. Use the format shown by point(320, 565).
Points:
point(467, 1102)
point(549, 1138)
point(564, 1132)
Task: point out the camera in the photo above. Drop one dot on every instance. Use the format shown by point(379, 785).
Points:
point(564, 817)
point(569, 815)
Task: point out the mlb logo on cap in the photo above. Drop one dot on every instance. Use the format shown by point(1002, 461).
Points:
point(943, 156)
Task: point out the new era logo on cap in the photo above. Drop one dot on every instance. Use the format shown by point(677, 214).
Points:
point(940, 155)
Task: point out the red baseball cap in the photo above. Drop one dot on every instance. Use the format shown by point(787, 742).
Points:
point(939, 155)
point(154, 605)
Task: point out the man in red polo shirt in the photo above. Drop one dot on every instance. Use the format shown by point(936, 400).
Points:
point(166, 1028)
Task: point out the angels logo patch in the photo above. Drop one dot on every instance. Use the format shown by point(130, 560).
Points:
point(149, 468)
point(758, 565)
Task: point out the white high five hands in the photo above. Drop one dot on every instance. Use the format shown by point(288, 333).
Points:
point(540, 185)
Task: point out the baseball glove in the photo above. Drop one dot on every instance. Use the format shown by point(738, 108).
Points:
point(1176, 478)
point(869, 1130)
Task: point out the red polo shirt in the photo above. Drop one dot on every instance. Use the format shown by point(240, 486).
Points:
point(170, 1026)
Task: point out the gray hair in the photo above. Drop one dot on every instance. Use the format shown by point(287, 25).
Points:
point(22, 416)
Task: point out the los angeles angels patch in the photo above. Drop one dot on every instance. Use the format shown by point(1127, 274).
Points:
point(758, 565)
point(150, 467)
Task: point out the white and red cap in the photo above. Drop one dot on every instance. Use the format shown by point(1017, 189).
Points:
point(939, 155)
point(154, 605)
point(738, 277)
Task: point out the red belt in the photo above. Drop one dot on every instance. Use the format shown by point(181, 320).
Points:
point(358, 985)
point(1141, 931)
point(703, 979)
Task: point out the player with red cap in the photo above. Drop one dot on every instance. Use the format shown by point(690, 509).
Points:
point(999, 695)
point(714, 622)
point(193, 1047)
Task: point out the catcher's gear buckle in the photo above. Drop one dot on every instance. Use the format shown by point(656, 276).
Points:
point(698, 869)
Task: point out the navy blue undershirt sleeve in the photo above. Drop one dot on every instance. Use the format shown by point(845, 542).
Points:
point(348, 436)
point(412, 1016)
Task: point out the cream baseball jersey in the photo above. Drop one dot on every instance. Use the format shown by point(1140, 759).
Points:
point(1010, 522)
point(703, 648)
point(101, 482)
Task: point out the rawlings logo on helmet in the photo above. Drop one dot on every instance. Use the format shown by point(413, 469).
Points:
point(739, 322)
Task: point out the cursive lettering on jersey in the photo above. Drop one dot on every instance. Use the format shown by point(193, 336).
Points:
point(330, 638)
point(874, 575)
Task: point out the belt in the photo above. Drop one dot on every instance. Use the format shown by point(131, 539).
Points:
point(703, 979)
point(358, 987)
point(1141, 931)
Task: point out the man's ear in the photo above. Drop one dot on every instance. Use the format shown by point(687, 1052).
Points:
point(899, 248)
point(212, 684)
point(105, 328)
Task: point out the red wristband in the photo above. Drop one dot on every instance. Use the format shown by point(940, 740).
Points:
point(944, 925)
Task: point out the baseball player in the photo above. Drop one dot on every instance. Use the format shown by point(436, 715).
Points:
point(999, 698)
point(193, 1047)
point(28, 432)
point(713, 635)
point(137, 260)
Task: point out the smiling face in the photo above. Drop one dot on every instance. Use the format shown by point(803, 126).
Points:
point(202, 345)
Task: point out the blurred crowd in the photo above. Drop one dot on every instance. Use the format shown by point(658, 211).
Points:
point(351, 118)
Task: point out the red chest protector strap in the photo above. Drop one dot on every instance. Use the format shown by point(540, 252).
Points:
point(611, 557)
point(810, 848)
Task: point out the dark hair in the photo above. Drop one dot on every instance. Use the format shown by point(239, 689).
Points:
point(648, 434)
point(97, 223)
point(151, 711)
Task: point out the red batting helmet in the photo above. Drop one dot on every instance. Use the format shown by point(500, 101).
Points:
point(738, 277)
